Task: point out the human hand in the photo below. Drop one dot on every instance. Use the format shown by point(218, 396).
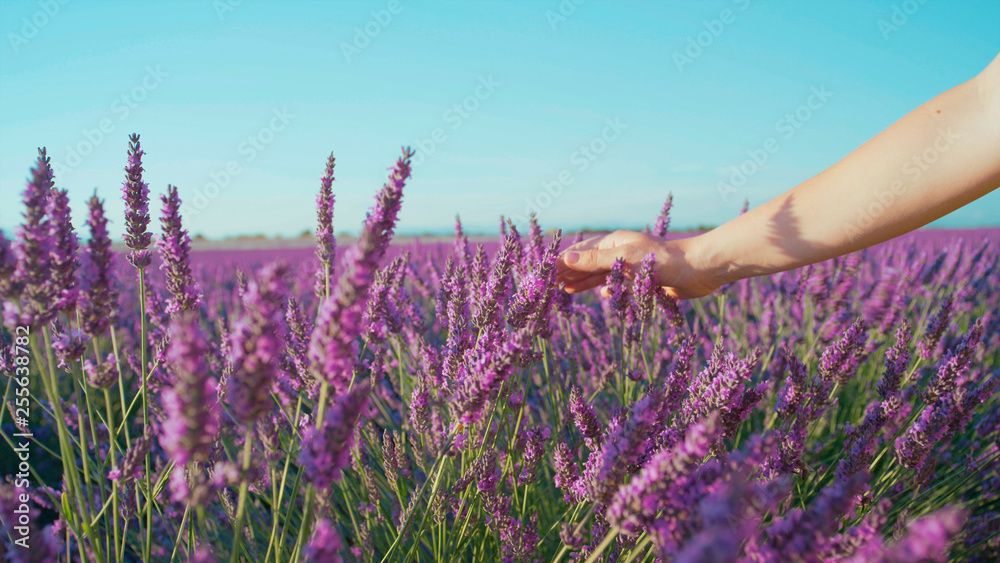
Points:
point(585, 265)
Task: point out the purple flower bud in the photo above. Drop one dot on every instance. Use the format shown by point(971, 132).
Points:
point(257, 344)
point(64, 263)
point(191, 405)
point(533, 300)
point(175, 250)
point(636, 504)
point(645, 288)
point(618, 297)
point(326, 450)
point(928, 538)
point(325, 545)
point(487, 370)
point(840, 360)
point(326, 243)
point(567, 474)
point(495, 293)
point(32, 283)
point(954, 364)
point(332, 348)
point(897, 359)
point(935, 328)
point(132, 464)
point(299, 329)
point(8, 264)
point(135, 192)
point(103, 375)
point(585, 418)
point(663, 221)
point(99, 307)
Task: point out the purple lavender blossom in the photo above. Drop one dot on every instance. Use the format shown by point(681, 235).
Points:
point(954, 364)
point(663, 220)
point(191, 404)
point(915, 444)
point(333, 346)
point(801, 531)
point(135, 192)
point(840, 360)
point(645, 287)
point(567, 473)
point(326, 450)
point(326, 243)
point(257, 341)
point(31, 283)
point(297, 348)
point(487, 370)
point(8, 264)
point(928, 538)
point(585, 418)
point(63, 263)
point(175, 250)
point(131, 464)
point(99, 306)
point(897, 359)
point(636, 504)
point(616, 288)
point(102, 375)
point(495, 293)
point(533, 300)
point(625, 446)
point(325, 545)
point(935, 328)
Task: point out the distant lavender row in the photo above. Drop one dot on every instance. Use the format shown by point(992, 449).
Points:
point(369, 401)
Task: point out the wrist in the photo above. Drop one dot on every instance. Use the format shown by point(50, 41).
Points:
point(709, 258)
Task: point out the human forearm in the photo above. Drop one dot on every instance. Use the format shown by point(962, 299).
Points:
point(934, 160)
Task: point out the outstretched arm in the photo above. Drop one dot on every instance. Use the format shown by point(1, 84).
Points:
point(937, 158)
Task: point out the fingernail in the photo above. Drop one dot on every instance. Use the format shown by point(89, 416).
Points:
point(571, 258)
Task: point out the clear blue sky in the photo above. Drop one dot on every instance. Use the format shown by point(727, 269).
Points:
point(538, 80)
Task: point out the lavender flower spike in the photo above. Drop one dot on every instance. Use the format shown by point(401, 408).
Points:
point(663, 221)
point(326, 244)
point(191, 405)
point(135, 192)
point(257, 344)
point(332, 346)
point(325, 545)
point(175, 249)
point(327, 450)
point(31, 280)
point(7, 266)
point(100, 298)
point(839, 361)
point(64, 246)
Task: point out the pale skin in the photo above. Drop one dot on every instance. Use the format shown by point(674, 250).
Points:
point(939, 157)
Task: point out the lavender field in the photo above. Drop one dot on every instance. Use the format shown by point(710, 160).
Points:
point(450, 402)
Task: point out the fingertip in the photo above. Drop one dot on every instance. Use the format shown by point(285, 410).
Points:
point(571, 258)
